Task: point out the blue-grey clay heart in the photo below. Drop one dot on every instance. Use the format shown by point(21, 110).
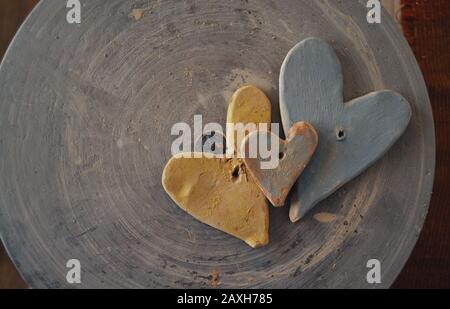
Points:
point(352, 135)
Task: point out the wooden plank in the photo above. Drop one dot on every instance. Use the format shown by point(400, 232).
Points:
point(12, 14)
point(9, 277)
point(426, 25)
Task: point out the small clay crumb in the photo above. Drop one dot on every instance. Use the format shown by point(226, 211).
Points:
point(324, 217)
point(137, 14)
point(309, 259)
point(215, 276)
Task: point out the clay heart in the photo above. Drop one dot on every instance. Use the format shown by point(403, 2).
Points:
point(249, 105)
point(219, 191)
point(293, 156)
point(352, 135)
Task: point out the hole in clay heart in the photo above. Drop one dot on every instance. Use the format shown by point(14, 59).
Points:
point(281, 155)
point(235, 173)
point(214, 141)
point(206, 137)
point(340, 135)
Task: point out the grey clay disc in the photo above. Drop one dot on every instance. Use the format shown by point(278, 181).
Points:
point(85, 118)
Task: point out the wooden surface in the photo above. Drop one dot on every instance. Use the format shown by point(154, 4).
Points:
point(432, 249)
point(426, 25)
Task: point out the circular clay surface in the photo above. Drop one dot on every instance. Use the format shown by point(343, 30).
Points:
point(86, 112)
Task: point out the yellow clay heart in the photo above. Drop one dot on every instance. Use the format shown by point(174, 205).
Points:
point(249, 105)
point(219, 191)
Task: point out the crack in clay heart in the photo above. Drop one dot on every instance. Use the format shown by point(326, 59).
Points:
point(219, 191)
point(294, 154)
point(352, 135)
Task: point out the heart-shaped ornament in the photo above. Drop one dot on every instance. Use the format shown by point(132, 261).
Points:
point(216, 191)
point(279, 174)
point(352, 135)
point(249, 108)
point(219, 191)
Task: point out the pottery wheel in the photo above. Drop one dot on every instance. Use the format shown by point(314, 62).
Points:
point(86, 113)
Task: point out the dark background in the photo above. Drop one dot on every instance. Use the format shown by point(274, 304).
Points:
point(426, 25)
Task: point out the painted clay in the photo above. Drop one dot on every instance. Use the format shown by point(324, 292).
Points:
point(219, 191)
point(249, 105)
point(352, 135)
point(294, 155)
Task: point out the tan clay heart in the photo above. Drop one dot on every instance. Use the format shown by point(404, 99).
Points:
point(294, 155)
point(249, 105)
point(219, 191)
point(213, 192)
